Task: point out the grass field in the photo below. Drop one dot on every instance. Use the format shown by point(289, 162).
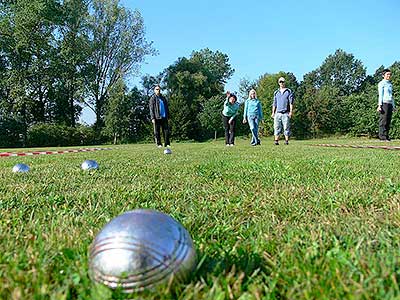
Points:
point(268, 222)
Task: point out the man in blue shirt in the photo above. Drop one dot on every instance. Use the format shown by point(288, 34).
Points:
point(159, 114)
point(282, 111)
point(385, 105)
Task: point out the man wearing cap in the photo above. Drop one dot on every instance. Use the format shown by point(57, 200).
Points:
point(282, 111)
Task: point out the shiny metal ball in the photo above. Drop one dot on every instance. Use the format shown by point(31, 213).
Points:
point(167, 151)
point(21, 168)
point(90, 165)
point(141, 249)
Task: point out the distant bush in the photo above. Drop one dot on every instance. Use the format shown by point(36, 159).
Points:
point(45, 135)
point(11, 133)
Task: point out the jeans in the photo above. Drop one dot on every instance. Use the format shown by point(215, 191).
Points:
point(282, 120)
point(385, 118)
point(253, 123)
point(161, 123)
point(229, 130)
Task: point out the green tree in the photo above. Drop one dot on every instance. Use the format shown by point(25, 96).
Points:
point(70, 62)
point(127, 114)
point(139, 127)
point(395, 69)
point(190, 82)
point(323, 111)
point(210, 116)
point(26, 33)
point(321, 95)
point(215, 67)
point(362, 113)
point(341, 70)
point(118, 112)
point(118, 46)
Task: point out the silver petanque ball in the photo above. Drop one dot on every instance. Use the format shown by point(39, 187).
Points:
point(167, 151)
point(141, 249)
point(90, 165)
point(21, 168)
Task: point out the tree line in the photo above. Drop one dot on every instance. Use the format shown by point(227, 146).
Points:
point(57, 57)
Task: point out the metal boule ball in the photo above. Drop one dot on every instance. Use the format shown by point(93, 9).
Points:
point(21, 168)
point(167, 151)
point(141, 249)
point(90, 165)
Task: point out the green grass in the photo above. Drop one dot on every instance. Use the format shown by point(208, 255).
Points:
point(269, 222)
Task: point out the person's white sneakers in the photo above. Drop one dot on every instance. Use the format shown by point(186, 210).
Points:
point(159, 146)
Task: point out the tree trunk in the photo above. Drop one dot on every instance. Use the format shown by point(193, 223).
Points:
point(215, 135)
point(71, 92)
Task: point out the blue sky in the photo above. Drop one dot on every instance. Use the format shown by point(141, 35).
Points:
point(270, 36)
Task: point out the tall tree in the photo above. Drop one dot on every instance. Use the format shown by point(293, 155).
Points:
point(139, 127)
point(210, 116)
point(70, 62)
point(118, 112)
point(341, 70)
point(118, 48)
point(191, 82)
point(322, 92)
point(26, 32)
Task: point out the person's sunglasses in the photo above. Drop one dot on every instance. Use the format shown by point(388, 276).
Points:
point(281, 81)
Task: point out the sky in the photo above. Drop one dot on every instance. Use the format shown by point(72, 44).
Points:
point(264, 36)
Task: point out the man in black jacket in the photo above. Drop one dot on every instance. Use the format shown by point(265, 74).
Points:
point(159, 114)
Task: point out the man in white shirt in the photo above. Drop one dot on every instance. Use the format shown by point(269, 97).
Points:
point(385, 105)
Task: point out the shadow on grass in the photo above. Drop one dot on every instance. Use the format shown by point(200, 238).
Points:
point(227, 268)
point(244, 262)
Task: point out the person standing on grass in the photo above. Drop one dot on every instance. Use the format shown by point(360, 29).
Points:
point(385, 105)
point(282, 111)
point(231, 107)
point(159, 115)
point(253, 115)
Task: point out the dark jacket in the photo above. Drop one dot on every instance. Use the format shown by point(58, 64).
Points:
point(154, 105)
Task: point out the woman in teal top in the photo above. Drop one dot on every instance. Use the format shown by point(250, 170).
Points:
point(229, 113)
point(253, 115)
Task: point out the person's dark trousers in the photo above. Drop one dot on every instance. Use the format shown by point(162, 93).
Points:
point(229, 130)
point(384, 121)
point(158, 125)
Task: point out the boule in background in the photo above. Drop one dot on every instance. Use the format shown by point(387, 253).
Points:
point(20, 168)
point(167, 151)
point(141, 249)
point(90, 165)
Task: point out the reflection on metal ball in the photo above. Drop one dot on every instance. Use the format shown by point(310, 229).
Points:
point(90, 165)
point(141, 249)
point(21, 168)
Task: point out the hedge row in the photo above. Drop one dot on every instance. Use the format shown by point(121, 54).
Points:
point(46, 135)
